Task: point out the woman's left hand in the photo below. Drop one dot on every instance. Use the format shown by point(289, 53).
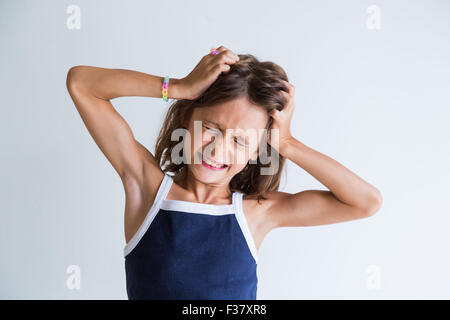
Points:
point(282, 119)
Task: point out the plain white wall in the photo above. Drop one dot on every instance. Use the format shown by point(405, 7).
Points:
point(376, 100)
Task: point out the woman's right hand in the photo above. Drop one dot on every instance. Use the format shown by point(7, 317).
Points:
point(206, 72)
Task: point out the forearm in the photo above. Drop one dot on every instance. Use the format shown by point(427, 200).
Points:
point(343, 183)
point(108, 84)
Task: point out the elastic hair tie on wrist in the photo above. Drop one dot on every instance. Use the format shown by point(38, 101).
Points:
point(165, 87)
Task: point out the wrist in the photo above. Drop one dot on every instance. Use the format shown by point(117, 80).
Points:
point(286, 146)
point(176, 89)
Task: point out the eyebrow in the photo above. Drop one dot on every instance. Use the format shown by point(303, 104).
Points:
point(213, 123)
point(222, 130)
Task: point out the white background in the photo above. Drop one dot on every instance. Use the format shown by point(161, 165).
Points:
point(377, 101)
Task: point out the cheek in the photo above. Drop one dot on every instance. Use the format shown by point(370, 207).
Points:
point(254, 152)
point(206, 137)
point(190, 143)
point(199, 141)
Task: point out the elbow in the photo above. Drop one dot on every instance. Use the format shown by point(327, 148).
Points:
point(374, 204)
point(74, 78)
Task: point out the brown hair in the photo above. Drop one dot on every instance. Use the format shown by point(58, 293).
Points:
point(260, 83)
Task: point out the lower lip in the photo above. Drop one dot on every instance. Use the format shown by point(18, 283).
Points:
point(211, 167)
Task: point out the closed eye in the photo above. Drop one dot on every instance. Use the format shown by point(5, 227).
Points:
point(210, 129)
point(240, 142)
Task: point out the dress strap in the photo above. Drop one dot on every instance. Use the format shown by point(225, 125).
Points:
point(242, 220)
point(164, 188)
point(161, 194)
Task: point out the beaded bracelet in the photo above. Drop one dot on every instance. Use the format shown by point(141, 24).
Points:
point(165, 86)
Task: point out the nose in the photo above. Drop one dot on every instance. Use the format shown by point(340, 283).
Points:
point(222, 150)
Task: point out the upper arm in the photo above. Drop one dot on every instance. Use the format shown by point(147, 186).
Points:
point(311, 208)
point(110, 131)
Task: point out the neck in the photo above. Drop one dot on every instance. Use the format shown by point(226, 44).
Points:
point(218, 192)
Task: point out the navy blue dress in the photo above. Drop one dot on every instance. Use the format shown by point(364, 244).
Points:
point(189, 250)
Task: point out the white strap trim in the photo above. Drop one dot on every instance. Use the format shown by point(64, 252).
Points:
point(161, 194)
point(197, 207)
point(240, 216)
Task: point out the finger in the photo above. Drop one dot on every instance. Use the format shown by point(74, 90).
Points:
point(290, 87)
point(221, 60)
point(232, 54)
point(225, 68)
point(289, 105)
point(287, 95)
point(209, 56)
point(221, 49)
point(228, 54)
point(274, 113)
point(219, 68)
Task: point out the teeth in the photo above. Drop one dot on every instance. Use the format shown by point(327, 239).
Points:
point(212, 164)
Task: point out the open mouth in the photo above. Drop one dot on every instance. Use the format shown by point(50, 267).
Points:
point(212, 165)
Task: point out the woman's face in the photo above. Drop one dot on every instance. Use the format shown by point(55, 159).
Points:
point(228, 135)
